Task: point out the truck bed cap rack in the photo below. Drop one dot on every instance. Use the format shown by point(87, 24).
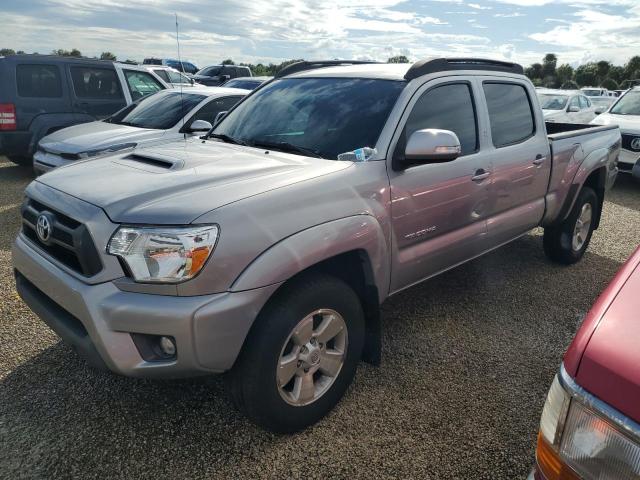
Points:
point(310, 65)
point(433, 65)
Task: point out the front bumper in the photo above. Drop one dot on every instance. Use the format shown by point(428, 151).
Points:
point(45, 161)
point(15, 143)
point(98, 320)
point(629, 162)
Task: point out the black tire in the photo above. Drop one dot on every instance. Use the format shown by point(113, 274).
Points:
point(22, 161)
point(252, 382)
point(558, 239)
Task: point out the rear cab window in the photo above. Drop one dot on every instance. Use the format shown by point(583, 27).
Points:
point(98, 83)
point(39, 81)
point(510, 113)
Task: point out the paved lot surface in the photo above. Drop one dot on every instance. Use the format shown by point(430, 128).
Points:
point(468, 358)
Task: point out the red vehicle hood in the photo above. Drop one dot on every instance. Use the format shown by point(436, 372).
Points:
point(604, 358)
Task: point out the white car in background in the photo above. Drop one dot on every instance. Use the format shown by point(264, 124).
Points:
point(565, 106)
point(172, 76)
point(597, 92)
point(626, 114)
point(164, 117)
point(602, 104)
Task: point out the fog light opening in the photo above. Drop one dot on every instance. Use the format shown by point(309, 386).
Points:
point(167, 346)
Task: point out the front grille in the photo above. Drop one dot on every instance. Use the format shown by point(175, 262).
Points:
point(628, 140)
point(69, 241)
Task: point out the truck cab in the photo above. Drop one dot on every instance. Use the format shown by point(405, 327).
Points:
point(265, 248)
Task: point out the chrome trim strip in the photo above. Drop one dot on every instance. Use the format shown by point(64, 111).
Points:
point(620, 420)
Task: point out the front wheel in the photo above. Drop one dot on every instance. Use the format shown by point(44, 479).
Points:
point(567, 242)
point(22, 161)
point(301, 355)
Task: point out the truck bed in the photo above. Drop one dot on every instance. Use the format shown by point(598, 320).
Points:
point(573, 146)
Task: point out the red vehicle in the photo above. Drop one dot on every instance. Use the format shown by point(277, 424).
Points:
point(590, 425)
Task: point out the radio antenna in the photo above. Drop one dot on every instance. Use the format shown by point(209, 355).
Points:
point(180, 84)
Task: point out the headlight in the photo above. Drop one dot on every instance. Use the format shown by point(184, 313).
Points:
point(106, 150)
point(577, 442)
point(164, 254)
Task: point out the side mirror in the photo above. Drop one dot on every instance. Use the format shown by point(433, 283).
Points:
point(219, 117)
point(432, 145)
point(573, 109)
point(200, 126)
point(192, 81)
point(224, 78)
point(598, 111)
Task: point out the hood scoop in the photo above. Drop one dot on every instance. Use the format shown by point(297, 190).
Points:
point(150, 162)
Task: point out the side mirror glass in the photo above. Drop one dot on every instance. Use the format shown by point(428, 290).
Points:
point(432, 145)
point(573, 109)
point(200, 126)
point(219, 117)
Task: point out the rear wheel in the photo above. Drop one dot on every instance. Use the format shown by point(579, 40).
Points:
point(567, 242)
point(301, 355)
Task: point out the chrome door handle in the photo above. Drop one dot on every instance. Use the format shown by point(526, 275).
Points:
point(480, 175)
point(539, 160)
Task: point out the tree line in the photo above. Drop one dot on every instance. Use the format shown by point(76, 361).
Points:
point(545, 74)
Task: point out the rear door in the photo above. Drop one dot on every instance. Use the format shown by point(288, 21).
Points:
point(439, 210)
point(97, 92)
point(519, 150)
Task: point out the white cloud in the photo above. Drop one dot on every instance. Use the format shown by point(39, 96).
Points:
point(509, 15)
point(478, 7)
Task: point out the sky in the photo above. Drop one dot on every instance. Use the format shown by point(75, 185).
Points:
point(275, 30)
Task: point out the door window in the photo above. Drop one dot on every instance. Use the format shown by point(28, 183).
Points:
point(574, 103)
point(99, 83)
point(584, 103)
point(162, 74)
point(141, 84)
point(447, 107)
point(211, 109)
point(510, 113)
point(42, 81)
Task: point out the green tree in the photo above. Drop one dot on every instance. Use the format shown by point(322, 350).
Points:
point(603, 68)
point(398, 59)
point(587, 75)
point(108, 56)
point(549, 65)
point(617, 73)
point(228, 61)
point(74, 52)
point(564, 73)
point(632, 67)
point(6, 51)
point(569, 85)
point(609, 84)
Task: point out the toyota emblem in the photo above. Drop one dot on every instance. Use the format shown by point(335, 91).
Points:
point(635, 143)
point(43, 228)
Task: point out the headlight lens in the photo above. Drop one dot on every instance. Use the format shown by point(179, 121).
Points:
point(106, 150)
point(596, 449)
point(578, 443)
point(164, 254)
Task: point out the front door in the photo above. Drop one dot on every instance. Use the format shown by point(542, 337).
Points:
point(438, 210)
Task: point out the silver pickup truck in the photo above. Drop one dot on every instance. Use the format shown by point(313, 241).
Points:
point(265, 248)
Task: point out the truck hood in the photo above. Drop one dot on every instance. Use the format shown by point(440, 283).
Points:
point(95, 135)
point(609, 365)
point(627, 123)
point(180, 181)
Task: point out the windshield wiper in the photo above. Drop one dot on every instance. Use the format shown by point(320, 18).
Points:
point(288, 147)
point(226, 138)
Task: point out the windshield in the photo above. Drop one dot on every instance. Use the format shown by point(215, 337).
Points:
point(592, 92)
point(552, 102)
point(246, 84)
point(327, 116)
point(161, 111)
point(209, 71)
point(629, 104)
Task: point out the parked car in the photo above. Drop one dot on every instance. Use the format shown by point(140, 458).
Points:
point(218, 74)
point(173, 77)
point(249, 83)
point(590, 425)
point(597, 92)
point(161, 118)
point(41, 94)
point(179, 65)
point(601, 104)
point(265, 249)
point(566, 106)
point(625, 113)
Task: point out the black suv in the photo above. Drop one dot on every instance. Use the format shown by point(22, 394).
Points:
point(40, 94)
point(215, 75)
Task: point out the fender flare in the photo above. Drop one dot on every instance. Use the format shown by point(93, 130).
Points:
point(311, 246)
point(43, 124)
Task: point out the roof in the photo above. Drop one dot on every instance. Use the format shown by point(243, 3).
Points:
point(207, 91)
point(257, 79)
point(383, 71)
point(558, 91)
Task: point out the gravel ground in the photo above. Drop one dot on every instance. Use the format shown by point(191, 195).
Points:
point(468, 358)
